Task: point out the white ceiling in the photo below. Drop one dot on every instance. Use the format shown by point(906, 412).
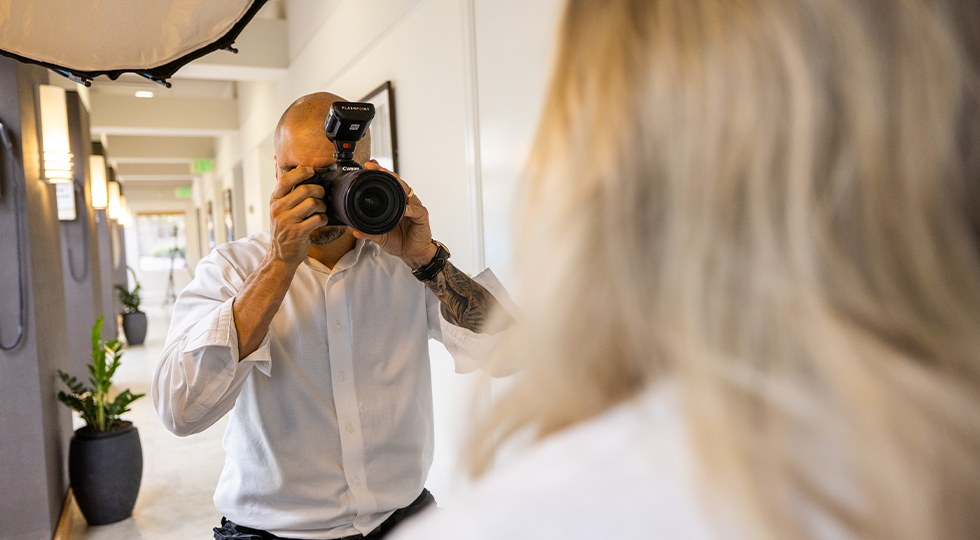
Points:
point(128, 84)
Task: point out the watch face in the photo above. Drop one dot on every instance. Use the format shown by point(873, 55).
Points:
point(442, 247)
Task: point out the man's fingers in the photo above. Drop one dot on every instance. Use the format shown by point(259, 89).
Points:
point(417, 213)
point(298, 196)
point(313, 223)
point(310, 205)
point(375, 166)
point(301, 229)
point(289, 180)
point(302, 210)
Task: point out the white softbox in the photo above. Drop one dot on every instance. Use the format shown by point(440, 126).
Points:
point(82, 39)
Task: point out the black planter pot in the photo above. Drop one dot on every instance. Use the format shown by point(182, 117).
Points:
point(134, 326)
point(105, 470)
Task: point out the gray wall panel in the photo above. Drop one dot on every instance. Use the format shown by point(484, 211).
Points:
point(35, 426)
point(79, 245)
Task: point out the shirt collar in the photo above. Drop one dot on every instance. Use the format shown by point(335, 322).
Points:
point(348, 260)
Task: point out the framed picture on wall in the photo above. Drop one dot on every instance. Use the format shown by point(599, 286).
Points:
point(384, 143)
point(212, 240)
point(229, 221)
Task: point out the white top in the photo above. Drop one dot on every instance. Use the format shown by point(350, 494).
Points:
point(331, 418)
point(626, 474)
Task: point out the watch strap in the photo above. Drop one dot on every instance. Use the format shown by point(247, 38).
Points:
point(429, 270)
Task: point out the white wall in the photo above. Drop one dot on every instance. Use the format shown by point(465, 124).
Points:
point(259, 109)
point(468, 78)
point(514, 54)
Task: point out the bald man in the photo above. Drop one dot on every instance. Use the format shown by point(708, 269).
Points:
point(314, 339)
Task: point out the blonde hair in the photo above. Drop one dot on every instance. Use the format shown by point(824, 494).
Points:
point(775, 203)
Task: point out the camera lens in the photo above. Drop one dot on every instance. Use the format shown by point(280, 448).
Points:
point(372, 202)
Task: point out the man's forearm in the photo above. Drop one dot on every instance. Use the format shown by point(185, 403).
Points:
point(465, 302)
point(257, 303)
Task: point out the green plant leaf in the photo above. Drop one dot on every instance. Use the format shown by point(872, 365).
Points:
point(92, 402)
point(130, 299)
point(72, 383)
point(120, 405)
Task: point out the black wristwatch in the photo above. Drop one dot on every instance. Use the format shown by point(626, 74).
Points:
point(430, 269)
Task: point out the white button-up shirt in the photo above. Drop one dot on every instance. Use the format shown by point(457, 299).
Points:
point(331, 417)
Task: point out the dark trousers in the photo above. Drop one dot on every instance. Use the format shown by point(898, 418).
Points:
point(233, 531)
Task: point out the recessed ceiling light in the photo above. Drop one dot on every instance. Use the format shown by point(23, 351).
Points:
point(144, 94)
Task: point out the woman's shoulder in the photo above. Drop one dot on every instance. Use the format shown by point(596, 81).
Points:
point(626, 473)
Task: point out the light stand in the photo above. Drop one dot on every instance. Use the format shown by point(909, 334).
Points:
point(171, 295)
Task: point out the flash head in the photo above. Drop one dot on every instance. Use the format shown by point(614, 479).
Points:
point(348, 121)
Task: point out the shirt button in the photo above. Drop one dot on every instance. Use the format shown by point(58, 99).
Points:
point(350, 427)
point(343, 376)
point(338, 325)
point(357, 480)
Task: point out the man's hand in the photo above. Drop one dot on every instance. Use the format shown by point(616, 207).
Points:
point(464, 302)
point(411, 239)
point(294, 214)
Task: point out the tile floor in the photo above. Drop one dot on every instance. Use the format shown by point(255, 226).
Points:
point(179, 474)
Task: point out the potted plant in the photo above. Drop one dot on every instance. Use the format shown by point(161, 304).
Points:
point(105, 459)
point(134, 320)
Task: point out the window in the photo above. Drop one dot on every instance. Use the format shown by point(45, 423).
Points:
point(162, 241)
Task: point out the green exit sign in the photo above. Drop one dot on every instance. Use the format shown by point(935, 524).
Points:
point(183, 192)
point(203, 165)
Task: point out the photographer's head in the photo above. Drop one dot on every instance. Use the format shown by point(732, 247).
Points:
point(300, 141)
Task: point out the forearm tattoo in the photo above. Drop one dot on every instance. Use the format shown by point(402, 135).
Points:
point(465, 302)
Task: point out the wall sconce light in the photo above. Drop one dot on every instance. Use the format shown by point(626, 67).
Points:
point(115, 205)
point(54, 134)
point(100, 186)
point(125, 216)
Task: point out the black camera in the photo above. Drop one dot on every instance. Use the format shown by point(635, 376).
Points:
point(372, 202)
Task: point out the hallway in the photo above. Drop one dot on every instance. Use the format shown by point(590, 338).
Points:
point(179, 474)
point(163, 174)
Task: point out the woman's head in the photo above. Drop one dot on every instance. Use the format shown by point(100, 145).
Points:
point(776, 203)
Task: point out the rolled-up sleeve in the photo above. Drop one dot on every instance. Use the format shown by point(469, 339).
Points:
point(470, 350)
point(199, 376)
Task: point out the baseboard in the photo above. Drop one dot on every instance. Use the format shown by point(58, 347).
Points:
point(63, 532)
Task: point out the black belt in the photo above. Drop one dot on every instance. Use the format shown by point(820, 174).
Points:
point(233, 531)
